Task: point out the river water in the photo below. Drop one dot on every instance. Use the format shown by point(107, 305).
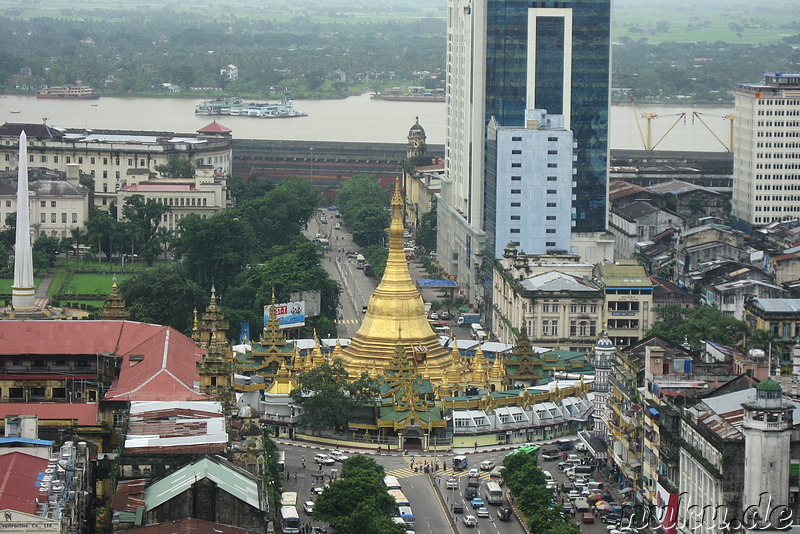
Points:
point(356, 119)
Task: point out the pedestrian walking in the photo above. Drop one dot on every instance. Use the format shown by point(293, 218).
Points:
point(304, 462)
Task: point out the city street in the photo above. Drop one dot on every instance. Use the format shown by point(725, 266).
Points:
point(429, 498)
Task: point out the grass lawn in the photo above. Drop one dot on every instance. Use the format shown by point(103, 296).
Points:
point(88, 284)
point(5, 284)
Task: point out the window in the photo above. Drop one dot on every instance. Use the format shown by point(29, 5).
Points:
point(516, 178)
point(552, 205)
point(515, 230)
point(552, 152)
point(80, 159)
point(516, 152)
point(44, 159)
point(116, 175)
point(516, 204)
point(130, 162)
point(105, 161)
point(69, 159)
point(43, 218)
point(52, 203)
point(141, 163)
point(516, 165)
point(552, 179)
point(43, 203)
point(551, 191)
point(63, 217)
point(30, 158)
point(551, 217)
point(74, 218)
point(516, 191)
point(550, 244)
point(8, 203)
point(552, 165)
point(92, 161)
point(105, 174)
point(516, 138)
point(550, 231)
point(53, 217)
point(515, 217)
point(552, 139)
point(55, 159)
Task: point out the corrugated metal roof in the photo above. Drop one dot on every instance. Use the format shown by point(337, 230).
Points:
point(234, 481)
point(557, 281)
point(19, 474)
point(190, 526)
point(778, 305)
point(80, 413)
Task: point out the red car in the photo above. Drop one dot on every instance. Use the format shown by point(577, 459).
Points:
point(587, 517)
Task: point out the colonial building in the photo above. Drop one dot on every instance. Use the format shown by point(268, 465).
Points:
point(116, 159)
point(551, 295)
point(628, 300)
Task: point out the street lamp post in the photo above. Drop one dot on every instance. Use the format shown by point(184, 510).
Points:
point(311, 150)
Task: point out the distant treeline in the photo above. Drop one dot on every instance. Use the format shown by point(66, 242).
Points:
point(326, 59)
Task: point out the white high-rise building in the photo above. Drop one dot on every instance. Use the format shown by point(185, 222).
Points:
point(766, 161)
point(504, 59)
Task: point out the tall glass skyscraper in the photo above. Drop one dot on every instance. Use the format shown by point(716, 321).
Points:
point(505, 57)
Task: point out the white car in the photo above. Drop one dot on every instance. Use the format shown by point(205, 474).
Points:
point(339, 456)
point(473, 472)
point(434, 316)
point(324, 459)
point(470, 521)
point(308, 507)
point(486, 465)
point(452, 483)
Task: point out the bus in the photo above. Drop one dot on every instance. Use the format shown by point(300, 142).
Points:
point(494, 495)
point(290, 520)
point(460, 463)
point(360, 261)
point(399, 497)
point(391, 482)
point(289, 498)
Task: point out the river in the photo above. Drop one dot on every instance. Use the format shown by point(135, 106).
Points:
point(357, 119)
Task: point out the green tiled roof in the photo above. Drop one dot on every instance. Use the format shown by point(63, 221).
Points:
point(227, 478)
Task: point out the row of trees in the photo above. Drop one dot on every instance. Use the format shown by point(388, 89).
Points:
point(358, 501)
point(527, 484)
point(245, 252)
point(362, 202)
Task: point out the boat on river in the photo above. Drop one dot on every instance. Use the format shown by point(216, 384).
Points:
point(237, 107)
point(69, 92)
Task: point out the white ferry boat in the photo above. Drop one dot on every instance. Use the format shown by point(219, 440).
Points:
point(238, 108)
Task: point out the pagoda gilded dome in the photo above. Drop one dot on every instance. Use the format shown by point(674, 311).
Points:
point(395, 315)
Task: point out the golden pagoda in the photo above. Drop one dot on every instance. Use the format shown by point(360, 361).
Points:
point(395, 306)
point(114, 306)
point(212, 324)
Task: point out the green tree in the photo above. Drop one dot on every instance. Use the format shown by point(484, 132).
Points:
point(142, 218)
point(177, 168)
point(358, 501)
point(8, 235)
point(426, 233)
point(376, 256)
point(281, 214)
point(164, 295)
point(369, 223)
point(360, 190)
point(215, 249)
point(328, 396)
point(45, 251)
point(706, 322)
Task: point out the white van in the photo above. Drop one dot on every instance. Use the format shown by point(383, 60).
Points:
point(324, 459)
point(548, 477)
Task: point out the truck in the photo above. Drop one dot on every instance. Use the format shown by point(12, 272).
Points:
point(468, 318)
point(460, 463)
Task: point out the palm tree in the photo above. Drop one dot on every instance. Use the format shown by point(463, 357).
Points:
point(768, 341)
point(165, 235)
point(79, 237)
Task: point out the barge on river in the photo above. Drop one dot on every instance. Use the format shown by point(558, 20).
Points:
point(237, 107)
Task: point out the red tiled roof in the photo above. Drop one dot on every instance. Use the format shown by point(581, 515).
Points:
point(214, 127)
point(19, 473)
point(167, 370)
point(189, 526)
point(174, 188)
point(80, 413)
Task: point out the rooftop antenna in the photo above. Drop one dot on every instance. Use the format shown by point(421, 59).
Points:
point(44, 121)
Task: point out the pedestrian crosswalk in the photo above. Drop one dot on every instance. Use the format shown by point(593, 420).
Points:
point(348, 321)
point(406, 472)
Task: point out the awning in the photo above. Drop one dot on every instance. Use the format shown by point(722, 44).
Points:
point(653, 411)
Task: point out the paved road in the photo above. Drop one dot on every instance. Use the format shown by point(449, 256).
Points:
point(429, 498)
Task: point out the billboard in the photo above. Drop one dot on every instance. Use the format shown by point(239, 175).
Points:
point(290, 314)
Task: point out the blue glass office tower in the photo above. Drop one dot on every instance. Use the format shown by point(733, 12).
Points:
point(503, 57)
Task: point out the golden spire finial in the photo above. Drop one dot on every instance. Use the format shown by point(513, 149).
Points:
point(273, 294)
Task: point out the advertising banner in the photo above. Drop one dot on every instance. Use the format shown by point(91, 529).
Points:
point(290, 314)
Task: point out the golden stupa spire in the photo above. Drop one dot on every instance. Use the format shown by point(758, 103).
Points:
point(479, 366)
point(317, 358)
point(272, 335)
point(498, 368)
point(395, 307)
point(455, 374)
point(196, 326)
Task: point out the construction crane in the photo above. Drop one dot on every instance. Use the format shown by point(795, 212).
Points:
point(730, 117)
point(647, 140)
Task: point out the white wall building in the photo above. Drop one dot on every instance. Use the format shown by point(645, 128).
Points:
point(766, 163)
point(529, 170)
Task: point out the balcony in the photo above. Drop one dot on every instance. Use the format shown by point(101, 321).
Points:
point(598, 363)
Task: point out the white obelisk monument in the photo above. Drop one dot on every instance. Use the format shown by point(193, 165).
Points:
point(22, 292)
